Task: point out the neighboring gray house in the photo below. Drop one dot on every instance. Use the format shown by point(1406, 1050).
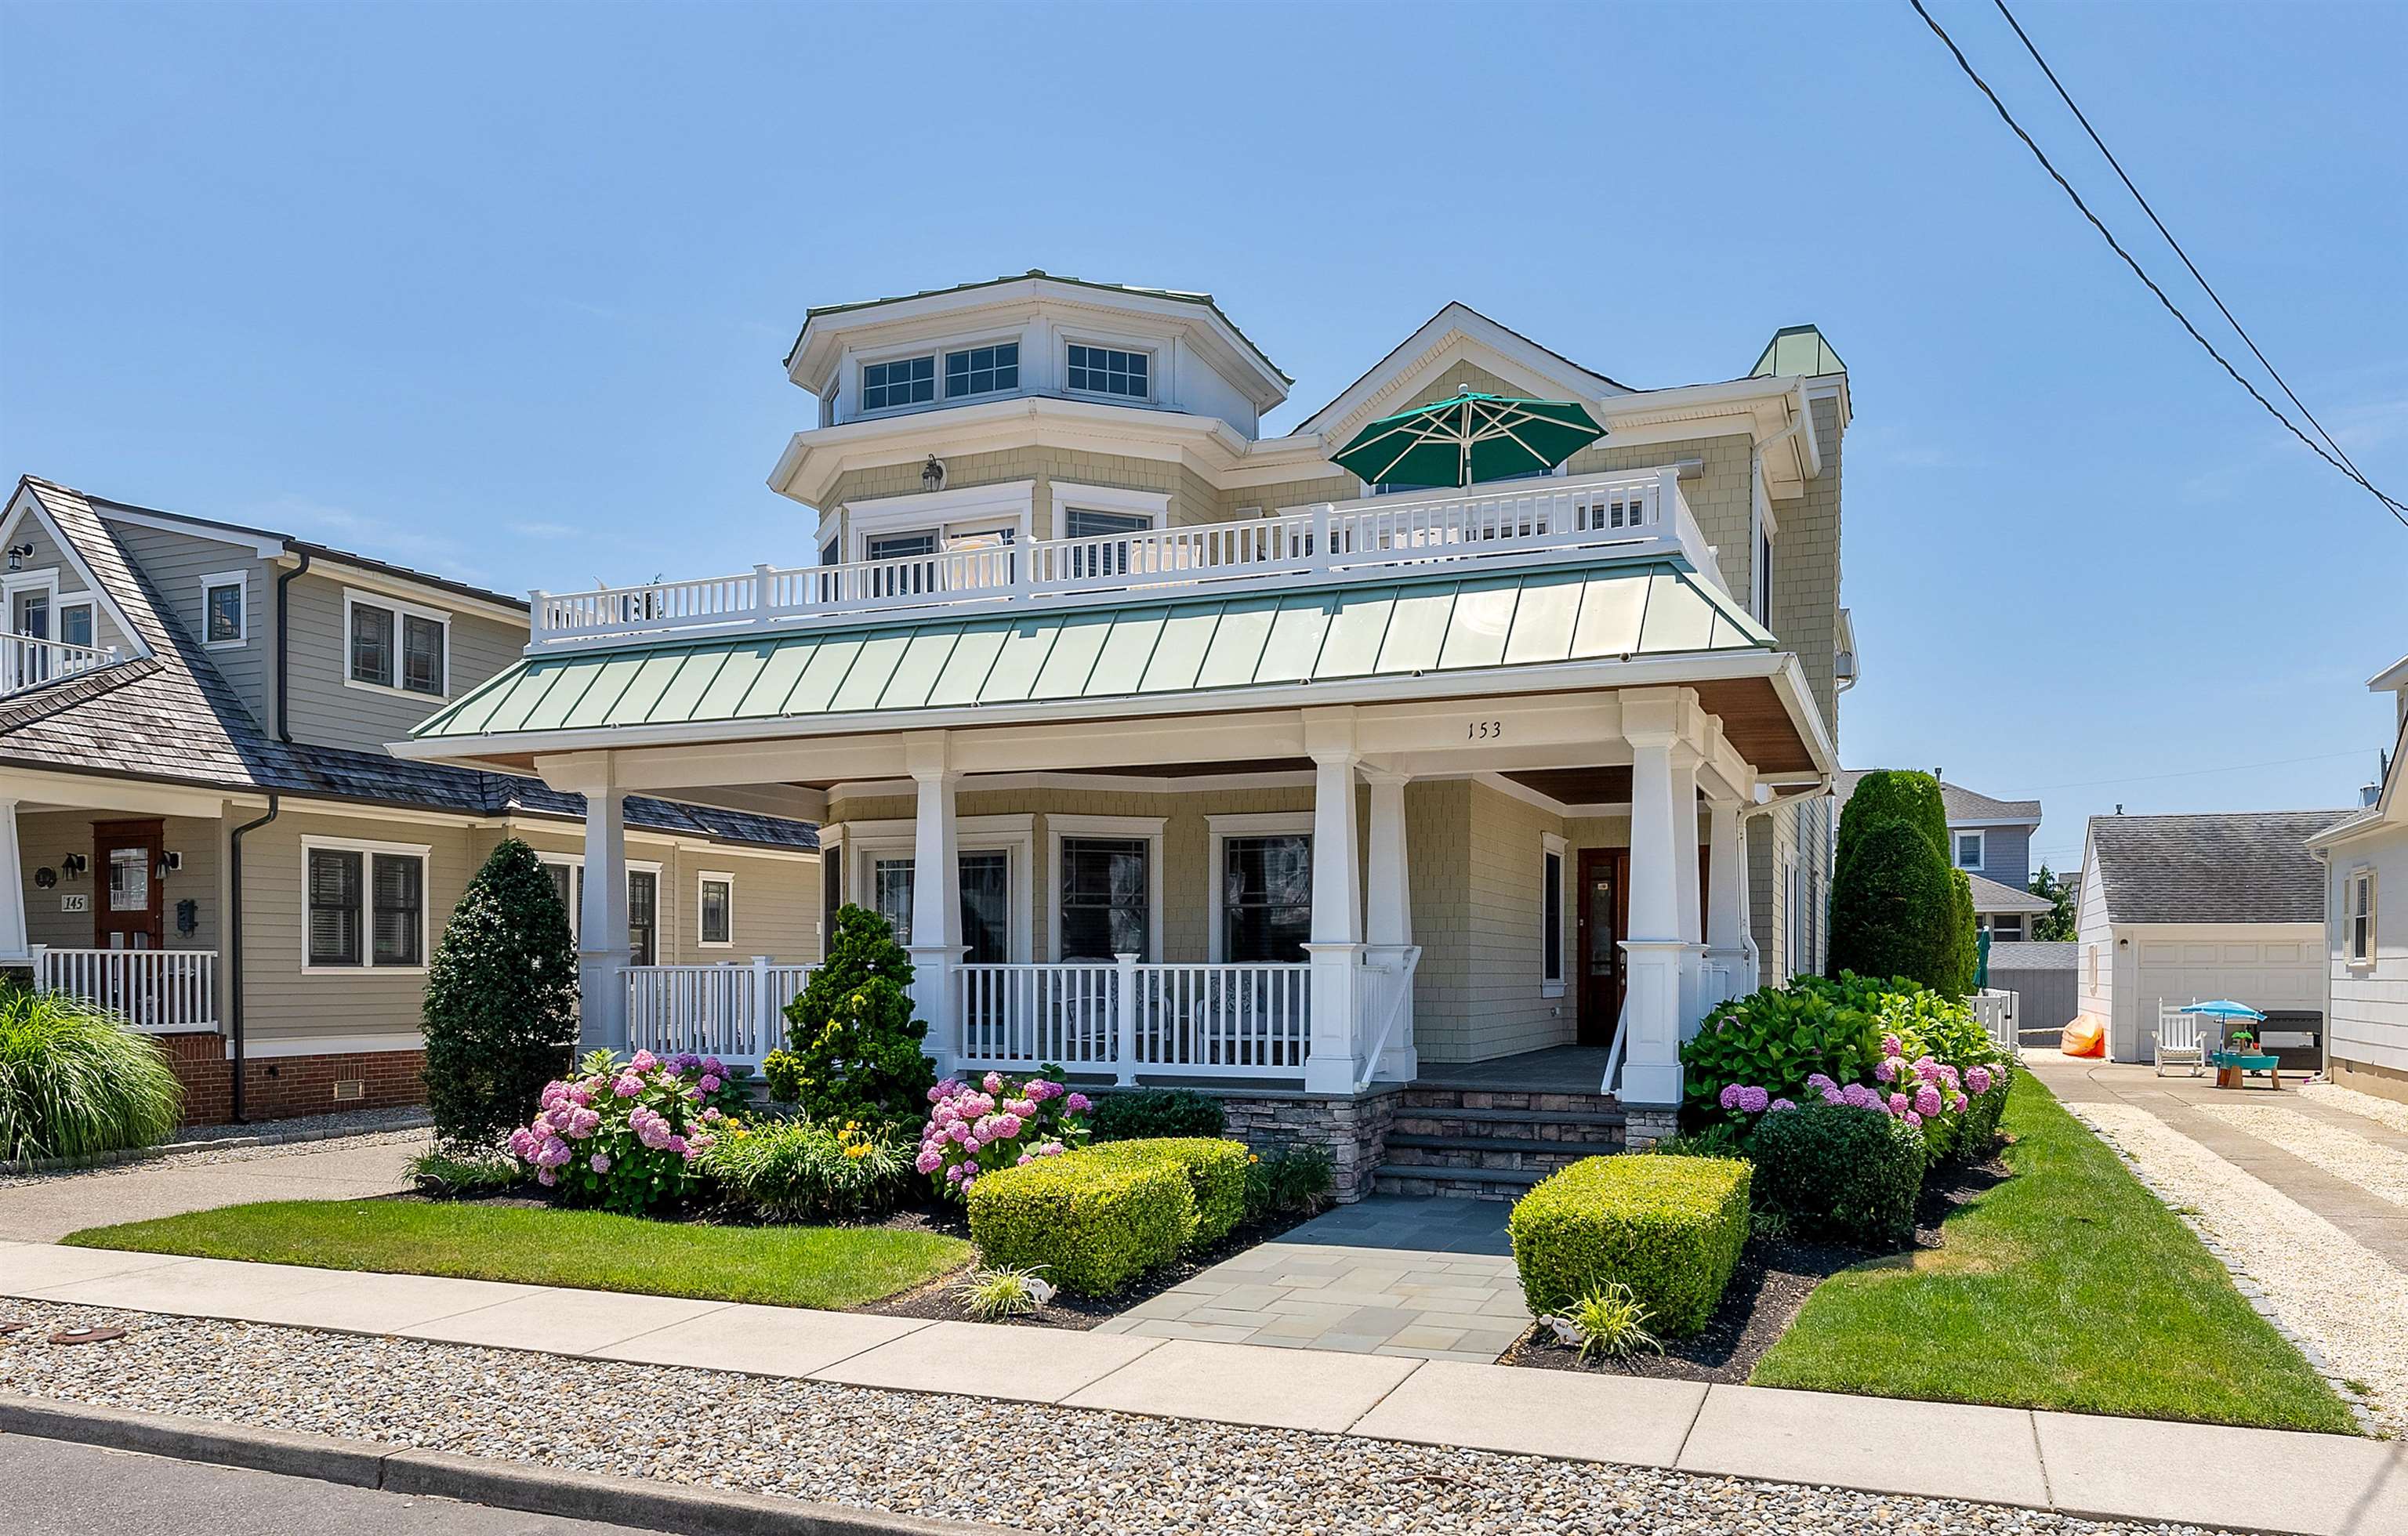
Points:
point(1990, 840)
point(2044, 979)
point(193, 720)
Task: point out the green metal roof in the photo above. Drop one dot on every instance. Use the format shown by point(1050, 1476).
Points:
point(1796, 349)
point(1134, 649)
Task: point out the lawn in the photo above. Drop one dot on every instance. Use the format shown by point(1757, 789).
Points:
point(2068, 1286)
point(788, 1266)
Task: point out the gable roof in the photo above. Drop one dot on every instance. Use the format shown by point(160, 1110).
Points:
point(172, 718)
point(2230, 867)
point(1962, 804)
point(1455, 317)
point(1996, 896)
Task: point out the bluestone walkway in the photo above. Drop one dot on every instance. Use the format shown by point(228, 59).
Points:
point(2113, 1468)
point(1429, 1278)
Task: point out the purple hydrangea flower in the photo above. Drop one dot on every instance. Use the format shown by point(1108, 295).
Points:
point(1077, 1103)
point(599, 1162)
point(1752, 1099)
point(1779, 1103)
point(1926, 1101)
point(1978, 1080)
point(1897, 1103)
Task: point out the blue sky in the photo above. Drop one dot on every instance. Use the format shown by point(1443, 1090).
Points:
point(503, 291)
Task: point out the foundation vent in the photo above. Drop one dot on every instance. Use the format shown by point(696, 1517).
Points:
point(351, 1088)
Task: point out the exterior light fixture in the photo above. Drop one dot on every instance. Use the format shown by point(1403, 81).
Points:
point(16, 553)
point(931, 474)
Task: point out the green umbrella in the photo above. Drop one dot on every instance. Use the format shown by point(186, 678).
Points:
point(1469, 438)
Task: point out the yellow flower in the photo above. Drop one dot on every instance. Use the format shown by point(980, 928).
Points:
point(1251, 1157)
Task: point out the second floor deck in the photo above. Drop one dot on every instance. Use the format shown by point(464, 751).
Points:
point(1638, 512)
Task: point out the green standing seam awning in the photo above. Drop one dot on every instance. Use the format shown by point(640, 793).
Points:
point(1135, 649)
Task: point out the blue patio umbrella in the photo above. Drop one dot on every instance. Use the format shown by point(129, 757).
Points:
point(2223, 1008)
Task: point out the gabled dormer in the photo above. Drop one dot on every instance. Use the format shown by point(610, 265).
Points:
point(1039, 335)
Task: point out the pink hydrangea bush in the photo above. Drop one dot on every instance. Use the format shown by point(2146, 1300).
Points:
point(627, 1136)
point(975, 1129)
point(1927, 1094)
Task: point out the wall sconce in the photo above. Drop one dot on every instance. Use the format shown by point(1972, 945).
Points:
point(16, 553)
point(169, 864)
point(932, 475)
point(73, 865)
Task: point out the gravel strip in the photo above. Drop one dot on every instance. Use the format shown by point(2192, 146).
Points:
point(1042, 1469)
point(204, 1154)
point(2334, 1096)
point(2341, 1296)
point(2345, 1155)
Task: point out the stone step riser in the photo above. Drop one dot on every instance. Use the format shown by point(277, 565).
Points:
point(1535, 1103)
point(1429, 1157)
point(1439, 1123)
point(1439, 1182)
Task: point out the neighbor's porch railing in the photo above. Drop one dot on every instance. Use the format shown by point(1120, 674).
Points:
point(1636, 509)
point(1124, 1017)
point(735, 1012)
point(1996, 1011)
point(28, 662)
point(162, 992)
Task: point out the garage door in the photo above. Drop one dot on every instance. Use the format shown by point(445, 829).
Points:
point(2266, 972)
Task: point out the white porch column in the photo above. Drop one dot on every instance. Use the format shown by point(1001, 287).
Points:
point(1687, 864)
point(1388, 918)
point(936, 944)
point(602, 943)
point(1334, 1063)
point(13, 950)
point(1727, 892)
point(1661, 798)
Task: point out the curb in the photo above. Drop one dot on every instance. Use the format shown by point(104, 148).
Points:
point(611, 1500)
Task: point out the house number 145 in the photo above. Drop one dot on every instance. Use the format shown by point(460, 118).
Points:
point(1484, 730)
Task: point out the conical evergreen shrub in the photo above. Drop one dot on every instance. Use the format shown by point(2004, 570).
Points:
point(852, 1048)
point(501, 999)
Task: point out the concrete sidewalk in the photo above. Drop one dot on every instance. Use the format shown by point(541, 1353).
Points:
point(2127, 1468)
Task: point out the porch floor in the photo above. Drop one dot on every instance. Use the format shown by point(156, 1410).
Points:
point(1559, 1069)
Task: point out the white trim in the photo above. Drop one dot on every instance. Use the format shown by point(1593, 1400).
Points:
point(1220, 829)
point(576, 906)
point(265, 545)
point(332, 1044)
point(1551, 846)
point(241, 580)
point(2357, 875)
point(861, 362)
point(1981, 849)
point(1155, 350)
point(312, 843)
point(878, 789)
point(859, 845)
point(31, 501)
point(702, 878)
point(355, 598)
point(1069, 496)
point(938, 512)
point(1148, 828)
point(60, 603)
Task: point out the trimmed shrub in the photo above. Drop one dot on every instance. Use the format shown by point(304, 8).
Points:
point(1893, 909)
point(1893, 794)
point(501, 999)
point(1841, 1171)
point(1297, 1179)
point(76, 1081)
point(1142, 1114)
point(1216, 1176)
point(1776, 1038)
point(786, 1170)
point(1671, 1228)
point(1964, 942)
point(1089, 1224)
point(852, 1048)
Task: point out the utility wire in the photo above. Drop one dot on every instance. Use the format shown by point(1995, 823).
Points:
point(2194, 773)
point(2397, 508)
point(2188, 265)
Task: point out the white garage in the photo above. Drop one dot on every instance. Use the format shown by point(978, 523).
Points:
point(2184, 908)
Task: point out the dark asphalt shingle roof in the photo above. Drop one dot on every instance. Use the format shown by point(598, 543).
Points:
point(2032, 956)
point(1997, 896)
point(173, 719)
point(2232, 867)
point(1963, 804)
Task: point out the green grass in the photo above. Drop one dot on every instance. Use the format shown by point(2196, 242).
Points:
point(2066, 1287)
point(787, 1266)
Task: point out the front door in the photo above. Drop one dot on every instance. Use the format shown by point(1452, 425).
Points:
point(125, 858)
point(1600, 909)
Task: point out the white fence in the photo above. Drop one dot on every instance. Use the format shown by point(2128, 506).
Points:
point(1996, 1011)
point(1124, 1017)
point(735, 1012)
point(29, 662)
point(1625, 507)
point(164, 991)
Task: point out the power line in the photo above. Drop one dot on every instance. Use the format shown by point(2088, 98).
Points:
point(2188, 265)
point(2397, 508)
point(2194, 773)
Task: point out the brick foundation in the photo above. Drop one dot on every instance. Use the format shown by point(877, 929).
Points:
point(1355, 1129)
point(286, 1086)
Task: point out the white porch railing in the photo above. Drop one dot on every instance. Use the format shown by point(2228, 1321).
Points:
point(735, 1012)
point(1388, 1010)
point(1640, 511)
point(1125, 1018)
point(161, 991)
point(1997, 1012)
point(28, 662)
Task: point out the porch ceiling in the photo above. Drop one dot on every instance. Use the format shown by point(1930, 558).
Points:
point(1138, 651)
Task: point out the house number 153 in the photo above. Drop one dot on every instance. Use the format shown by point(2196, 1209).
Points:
point(1484, 729)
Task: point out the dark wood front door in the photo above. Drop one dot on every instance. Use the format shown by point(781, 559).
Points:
point(126, 911)
point(1601, 908)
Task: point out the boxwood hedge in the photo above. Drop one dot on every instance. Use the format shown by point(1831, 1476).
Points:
point(1092, 1223)
point(1671, 1228)
point(1215, 1171)
point(1841, 1171)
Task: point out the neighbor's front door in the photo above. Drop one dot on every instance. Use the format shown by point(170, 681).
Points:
point(125, 856)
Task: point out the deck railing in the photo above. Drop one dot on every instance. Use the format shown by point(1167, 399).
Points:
point(161, 991)
point(29, 662)
point(735, 1012)
point(1125, 1018)
point(1637, 511)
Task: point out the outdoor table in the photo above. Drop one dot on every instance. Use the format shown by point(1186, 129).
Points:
point(2233, 1067)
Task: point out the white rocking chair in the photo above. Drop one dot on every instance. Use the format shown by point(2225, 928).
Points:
point(2180, 1041)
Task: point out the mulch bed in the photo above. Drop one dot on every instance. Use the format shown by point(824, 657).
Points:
point(1772, 1282)
point(934, 1299)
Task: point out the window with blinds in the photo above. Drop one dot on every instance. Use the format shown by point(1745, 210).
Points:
point(335, 906)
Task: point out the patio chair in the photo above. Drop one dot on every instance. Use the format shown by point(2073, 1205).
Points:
point(2179, 1042)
